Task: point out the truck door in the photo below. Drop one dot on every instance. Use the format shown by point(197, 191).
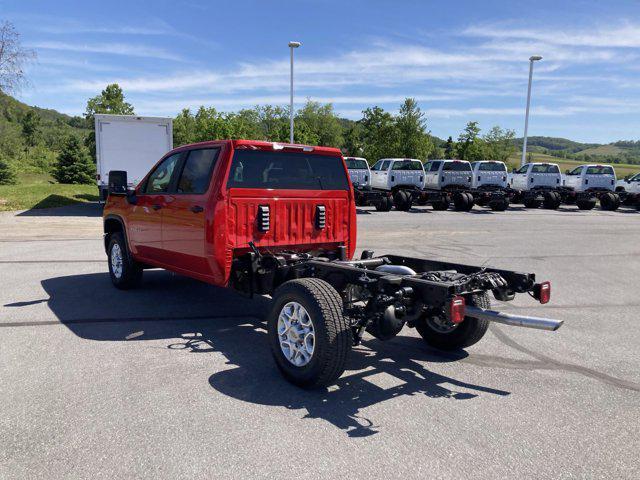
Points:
point(187, 216)
point(572, 178)
point(519, 181)
point(145, 220)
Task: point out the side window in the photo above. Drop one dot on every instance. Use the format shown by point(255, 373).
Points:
point(575, 171)
point(197, 169)
point(435, 166)
point(385, 165)
point(160, 178)
point(377, 166)
point(523, 169)
point(427, 166)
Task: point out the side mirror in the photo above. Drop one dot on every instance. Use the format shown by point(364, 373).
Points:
point(626, 179)
point(117, 182)
point(566, 171)
point(513, 170)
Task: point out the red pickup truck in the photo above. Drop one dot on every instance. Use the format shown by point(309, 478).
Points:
point(279, 219)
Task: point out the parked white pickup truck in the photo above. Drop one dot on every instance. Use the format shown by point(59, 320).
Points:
point(488, 172)
point(400, 176)
point(629, 184)
point(588, 183)
point(360, 175)
point(537, 184)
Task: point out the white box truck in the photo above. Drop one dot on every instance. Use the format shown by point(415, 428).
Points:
point(130, 143)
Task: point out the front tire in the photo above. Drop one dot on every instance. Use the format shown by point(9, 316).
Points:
point(402, 201)
point(302, 308)
point(384, 204)
point(609, 202)
point(586, 203)
point(124, 271)
point(447, 337)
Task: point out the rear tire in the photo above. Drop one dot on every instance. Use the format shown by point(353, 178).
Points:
point(586, 203)
point(124, 271)
point(609, 202)
point(551, 200)
point(463, 335)
point(531, 203)
point(440, 205)
point(332, 336)
point(462, 201)
point(384, 204)
point(402, 200)
point(499, 206)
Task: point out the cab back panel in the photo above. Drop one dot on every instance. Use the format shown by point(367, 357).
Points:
point(360, 177)
point(406, 177)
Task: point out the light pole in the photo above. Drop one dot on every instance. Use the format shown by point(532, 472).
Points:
point(292, 45)
point(533, 58)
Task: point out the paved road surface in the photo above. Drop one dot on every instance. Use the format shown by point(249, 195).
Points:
point(175, 380)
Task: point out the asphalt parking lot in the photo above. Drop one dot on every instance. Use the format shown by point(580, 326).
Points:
point(175, 380)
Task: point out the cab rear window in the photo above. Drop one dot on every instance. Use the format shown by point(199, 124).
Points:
point(407, 165)
point(355, 164)
point(286, 170)
point(545, 169)
point(600, 170)
point(492, 167)
point(456, 167)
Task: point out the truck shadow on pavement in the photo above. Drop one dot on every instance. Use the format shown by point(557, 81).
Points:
point(197, 318)
point(44, 209)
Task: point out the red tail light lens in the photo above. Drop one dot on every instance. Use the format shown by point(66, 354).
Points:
point(457, 309)
point(542, 292)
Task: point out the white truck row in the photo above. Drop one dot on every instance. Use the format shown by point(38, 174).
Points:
point(407, 181)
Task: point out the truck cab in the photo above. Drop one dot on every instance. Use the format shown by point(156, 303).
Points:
point(629, 184)
point(447, 174)
point(393, 173)
point(535, 175)
point(488, 173)
point(359, 171)
point(591, 178)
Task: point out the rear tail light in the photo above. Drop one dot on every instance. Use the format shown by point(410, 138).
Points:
point(393, 178)
point(366, 178)
point(479, 178)
point(542, 292)
point(421, 178)
point(504, 178)
point(457, 309)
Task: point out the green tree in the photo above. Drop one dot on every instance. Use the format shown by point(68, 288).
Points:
point(352, 145)
point(413, 139)
point(470, 146)
point(74, 164)
point(321, 124)
point(111, 100)
point(183, 128)
point(449, 149)
point(7, 174)
point(30, 124)
point(499, 144)
point(379, 134)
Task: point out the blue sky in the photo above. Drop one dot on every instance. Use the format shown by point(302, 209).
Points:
point(461, 60)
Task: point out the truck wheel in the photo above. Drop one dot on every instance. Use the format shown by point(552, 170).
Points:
point(462, 201)
point(609, 201)
point(499, 205)
point(440, 205)
point(402, 201)
point(531, 203)
point(384, 204)
point(470, 201)
point(309, 336)
point(447, 336)
point(586, 203)
point(551, 201)
point(124, 271)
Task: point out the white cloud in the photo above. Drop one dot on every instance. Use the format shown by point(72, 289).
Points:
point(127, 49)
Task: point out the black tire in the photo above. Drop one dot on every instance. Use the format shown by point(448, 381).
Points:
point(586, 203)
point(531, 202)
point(333, 336)
point(462, 201)
point(440, 205)
point(499, 206)
point(465, 334)
point(129, 273)
point(551, 201)
point(470, 201)
point(384, 204)
point(609, 201)
point(402, 201)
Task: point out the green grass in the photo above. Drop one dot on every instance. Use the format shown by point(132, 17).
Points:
point(621, 169)
point(41, 191)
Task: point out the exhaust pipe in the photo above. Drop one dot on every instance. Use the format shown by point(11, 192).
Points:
point(514, 320)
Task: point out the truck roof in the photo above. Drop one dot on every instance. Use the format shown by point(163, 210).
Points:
point(401, 159)
point(262, 145)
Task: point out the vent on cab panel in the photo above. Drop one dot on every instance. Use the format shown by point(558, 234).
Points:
point(321, 216)
point(263, 218)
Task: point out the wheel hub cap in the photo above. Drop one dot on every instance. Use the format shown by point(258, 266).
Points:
point(296, 333)
point(116, 260)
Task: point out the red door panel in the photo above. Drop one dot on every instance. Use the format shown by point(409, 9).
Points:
point(145, 226)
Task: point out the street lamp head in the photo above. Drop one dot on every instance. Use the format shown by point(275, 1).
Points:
point(535, 58)
point(294, 44)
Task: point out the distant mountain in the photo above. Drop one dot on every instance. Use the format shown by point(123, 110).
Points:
point(616, 152)
point(12, 110)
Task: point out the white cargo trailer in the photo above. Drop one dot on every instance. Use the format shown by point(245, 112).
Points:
point(130, 143)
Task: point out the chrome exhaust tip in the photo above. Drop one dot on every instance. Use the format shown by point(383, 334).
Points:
point(514, 320)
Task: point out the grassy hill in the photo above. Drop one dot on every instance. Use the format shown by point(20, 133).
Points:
point(622, 170)
point(618, 153)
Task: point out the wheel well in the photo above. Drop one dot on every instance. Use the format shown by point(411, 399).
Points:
point(111, 225)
